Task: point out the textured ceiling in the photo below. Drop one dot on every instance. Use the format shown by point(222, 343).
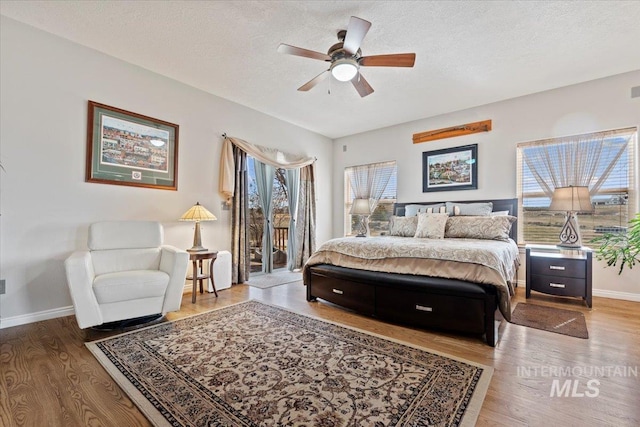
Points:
point(468, 53)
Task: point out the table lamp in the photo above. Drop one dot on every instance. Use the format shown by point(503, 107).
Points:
point(197, 213)
point(571, 200)
point(361, 207)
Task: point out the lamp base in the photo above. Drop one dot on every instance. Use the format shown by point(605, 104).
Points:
point(197, 241)
point(570, 233)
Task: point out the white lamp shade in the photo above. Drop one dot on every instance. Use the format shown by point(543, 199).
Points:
point(360, 207)
point(571, 199)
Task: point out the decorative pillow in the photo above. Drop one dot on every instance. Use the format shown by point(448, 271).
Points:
point(403, 226)
point(479, 227)
point(412, 210)
point(475, 209)
point(431, 225)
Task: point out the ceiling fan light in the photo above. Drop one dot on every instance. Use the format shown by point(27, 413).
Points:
point(344, 70)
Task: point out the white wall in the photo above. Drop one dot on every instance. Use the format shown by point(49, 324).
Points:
point(45, 203)
point(597, 105)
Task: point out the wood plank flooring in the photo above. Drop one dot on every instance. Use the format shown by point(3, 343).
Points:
point(49, 378)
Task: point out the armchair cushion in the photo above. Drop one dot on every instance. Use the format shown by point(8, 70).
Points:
point(128, 285)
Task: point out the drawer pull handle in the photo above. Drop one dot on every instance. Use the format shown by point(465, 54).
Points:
point(423, 308)
point(337, 291)
point(556, 267)
point(557, 285)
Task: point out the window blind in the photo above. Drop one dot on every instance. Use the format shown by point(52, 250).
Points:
point(376, 181)
point(603, 161)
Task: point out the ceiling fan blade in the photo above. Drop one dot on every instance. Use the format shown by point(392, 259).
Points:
point(306, 53)
point(393, 60)
point(314, 81)
point(356, 31)
point(362, 86)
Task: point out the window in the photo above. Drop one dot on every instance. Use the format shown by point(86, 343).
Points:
point(603, 161)
point(380, 179)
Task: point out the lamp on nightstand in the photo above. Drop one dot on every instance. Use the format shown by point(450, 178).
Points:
point(197, 213)
point(361, 208)
point(571, 200)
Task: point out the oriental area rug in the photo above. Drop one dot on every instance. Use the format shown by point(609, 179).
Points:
point(253, 364)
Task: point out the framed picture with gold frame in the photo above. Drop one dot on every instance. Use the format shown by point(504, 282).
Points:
point(125, 148)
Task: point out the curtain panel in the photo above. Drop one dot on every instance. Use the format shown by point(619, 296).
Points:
point(266, 155)
point(264, 181)
point(293, 188)
point(240, 263)
point(233, 185)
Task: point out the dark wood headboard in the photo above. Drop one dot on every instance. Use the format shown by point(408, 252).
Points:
point(510, 205)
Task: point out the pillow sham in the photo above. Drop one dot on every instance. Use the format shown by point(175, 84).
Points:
point(479, 227)
point(476, 209)
point(413, 210)
point(431, 225)
point(404, 226)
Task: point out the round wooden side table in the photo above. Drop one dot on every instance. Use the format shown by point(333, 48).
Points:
point(198, 274)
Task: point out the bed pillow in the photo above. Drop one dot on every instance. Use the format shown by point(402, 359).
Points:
point(499, 213)
point(431, 225)
point(479, 227)
point(413, 210)
point(475, 209)
point(404, 226)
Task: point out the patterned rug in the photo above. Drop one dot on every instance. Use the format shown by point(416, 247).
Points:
point(560, 321)
point(269, 280)
point(253, 364)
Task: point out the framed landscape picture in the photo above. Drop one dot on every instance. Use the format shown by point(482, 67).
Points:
point(125, 148)
point(450, 169)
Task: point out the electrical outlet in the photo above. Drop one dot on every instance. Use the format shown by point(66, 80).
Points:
point(3, 287)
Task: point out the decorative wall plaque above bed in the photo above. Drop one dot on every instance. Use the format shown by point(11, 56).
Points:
point(466, 129)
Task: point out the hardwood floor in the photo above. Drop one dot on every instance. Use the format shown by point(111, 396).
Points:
point(49, 378)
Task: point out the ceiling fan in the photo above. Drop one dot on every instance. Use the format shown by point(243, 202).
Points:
point(346, 58)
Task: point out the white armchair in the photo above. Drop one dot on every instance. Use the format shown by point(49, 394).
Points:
point(127, 273)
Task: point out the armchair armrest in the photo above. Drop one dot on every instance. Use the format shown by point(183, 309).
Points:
point(175, 263)
point(80, 275)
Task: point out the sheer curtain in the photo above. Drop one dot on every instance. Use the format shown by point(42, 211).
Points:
point(582, 160)
point(293, 187)
point(605, 162)
point(264, 180)
point(369, 182)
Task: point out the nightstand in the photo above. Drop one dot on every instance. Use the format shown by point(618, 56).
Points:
point(559, 271)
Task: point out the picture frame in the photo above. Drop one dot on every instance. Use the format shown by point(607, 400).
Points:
point(450, 169)
point(126, 148)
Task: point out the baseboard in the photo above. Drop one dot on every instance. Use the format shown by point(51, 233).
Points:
point(23, 319)
point(627, 296)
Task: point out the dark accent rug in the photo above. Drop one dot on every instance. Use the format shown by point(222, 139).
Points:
point(253, 364)
point(560, 321)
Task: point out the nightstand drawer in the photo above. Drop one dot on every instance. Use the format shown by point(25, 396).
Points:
point(563, 267)
point(567, 286)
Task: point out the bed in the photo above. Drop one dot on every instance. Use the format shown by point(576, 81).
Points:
point(453, 283)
